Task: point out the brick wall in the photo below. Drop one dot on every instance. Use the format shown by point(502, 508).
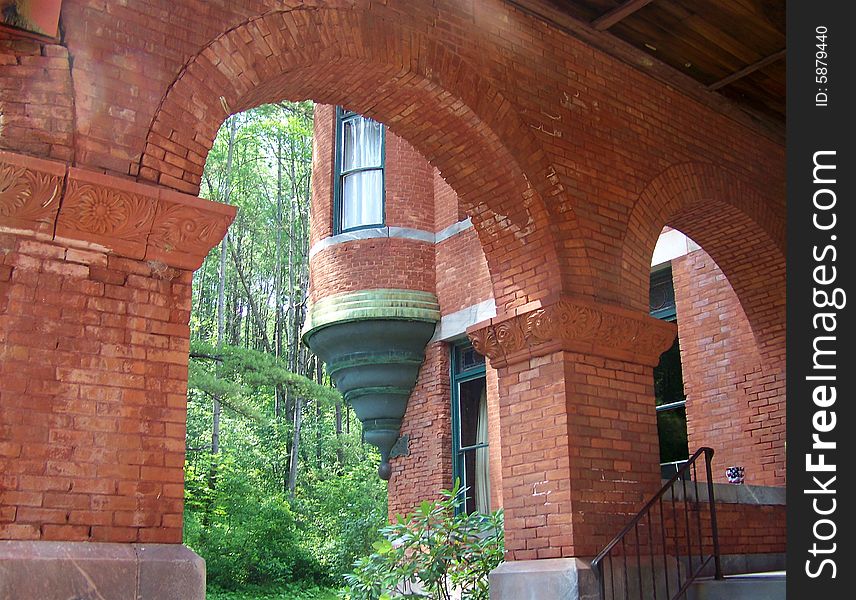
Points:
point(428, 422)
point(379, 262)
point(463, 278)
point(409, 186)
point(733, 406)
point(371, 264)
point(321, 208)
point(36, 101)
point(742, 529)
point(751, 529)
point(447, 210)
point(408, 180)
point(93, 375)
point(573, 428)
point(489, 101)
point(568, 161)
point(494, 436)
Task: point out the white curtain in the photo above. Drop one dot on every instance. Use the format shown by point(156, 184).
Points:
point(482, 482)
point(362, 192)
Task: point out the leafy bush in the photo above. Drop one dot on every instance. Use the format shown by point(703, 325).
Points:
point(246, 537)
point(342, 515)
point(429, 554)
point(297, 591)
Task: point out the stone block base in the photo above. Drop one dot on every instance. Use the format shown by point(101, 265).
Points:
point(573, 579)
point(91, 571)
point(548, 579)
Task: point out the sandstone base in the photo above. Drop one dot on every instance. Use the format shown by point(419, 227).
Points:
point(547, 579)
point(63, 570)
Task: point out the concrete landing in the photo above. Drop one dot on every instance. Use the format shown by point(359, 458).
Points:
point(752, 586)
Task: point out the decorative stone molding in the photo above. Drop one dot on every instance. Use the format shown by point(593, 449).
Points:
point(115, 214)
point(143, 222)
point(572, 324)
point(185, 228)
point(30, 191)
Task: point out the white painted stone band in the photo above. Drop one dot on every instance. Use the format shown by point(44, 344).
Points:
point(455, 324)
point(406, 233)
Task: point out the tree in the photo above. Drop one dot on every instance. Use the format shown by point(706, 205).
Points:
point(272, 448)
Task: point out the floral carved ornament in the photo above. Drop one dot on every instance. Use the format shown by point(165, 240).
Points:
point(122, 216)
point(28, 197)
point(573, 325)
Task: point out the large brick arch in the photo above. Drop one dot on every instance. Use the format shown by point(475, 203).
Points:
point(735, 224)
point(743, 231)
point(422, 90)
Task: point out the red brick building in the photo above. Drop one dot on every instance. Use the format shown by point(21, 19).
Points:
point(541, 152)
point(417, 237)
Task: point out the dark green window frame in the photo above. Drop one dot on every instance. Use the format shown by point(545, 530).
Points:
point(343, 116)
point(662, 306)
point(662, 295)
point(466, 365)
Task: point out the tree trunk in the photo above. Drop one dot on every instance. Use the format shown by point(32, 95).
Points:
point(221, 287)
point(278, 399)
point(295, 445)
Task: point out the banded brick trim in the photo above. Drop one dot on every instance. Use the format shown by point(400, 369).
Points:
point(453, 229)
point(407, 305)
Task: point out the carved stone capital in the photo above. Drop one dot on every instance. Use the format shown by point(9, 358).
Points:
point(143, 222)
point(575, 325)
point(30, 192)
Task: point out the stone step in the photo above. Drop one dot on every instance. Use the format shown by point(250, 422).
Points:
point(751, 586)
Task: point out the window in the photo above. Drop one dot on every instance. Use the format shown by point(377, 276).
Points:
point(469, 429)
point(668, 382)
point(359, 190)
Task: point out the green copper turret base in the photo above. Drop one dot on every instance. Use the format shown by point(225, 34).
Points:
point(373, 342)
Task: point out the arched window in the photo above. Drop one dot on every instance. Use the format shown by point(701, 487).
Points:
point(359, 190)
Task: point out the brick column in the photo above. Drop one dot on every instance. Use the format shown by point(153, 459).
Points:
point(95, 289)
point(578, 427)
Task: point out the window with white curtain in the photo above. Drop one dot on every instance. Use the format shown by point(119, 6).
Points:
point(359, 161)
point(471, 466)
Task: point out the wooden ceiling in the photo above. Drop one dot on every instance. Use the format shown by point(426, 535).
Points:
point(734, 48)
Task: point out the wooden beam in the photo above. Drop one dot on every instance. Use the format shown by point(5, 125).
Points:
point(653, 67)
point(746, 70)
point(607, 20)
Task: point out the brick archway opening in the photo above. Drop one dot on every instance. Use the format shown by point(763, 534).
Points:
point(732, 332)
point(421, 91)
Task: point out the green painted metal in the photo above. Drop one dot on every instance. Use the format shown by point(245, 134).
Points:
point(383, 304)
point(461, 374)
point(373, 342)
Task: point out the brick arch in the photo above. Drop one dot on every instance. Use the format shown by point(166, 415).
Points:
point(422, 90)
point(743, 232)
point(734, 222)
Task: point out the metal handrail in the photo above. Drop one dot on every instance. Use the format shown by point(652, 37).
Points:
point(621, 541)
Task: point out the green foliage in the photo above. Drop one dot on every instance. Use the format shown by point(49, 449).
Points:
point(234, 374)
point(246, 537)
point(286, 592)
point(258, 538)
point(344, 512)
point(429, 554)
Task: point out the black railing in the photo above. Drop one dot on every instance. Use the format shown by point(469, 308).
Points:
point(667, 545)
